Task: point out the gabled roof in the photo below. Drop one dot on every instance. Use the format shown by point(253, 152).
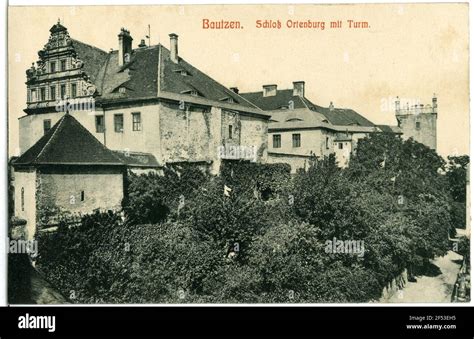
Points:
point(93, 58)
point(172, 80)
point(68, 143)
point(344, 116)
point(336, 116)
point(139, 76)
point(283, 98)
point(150, 72)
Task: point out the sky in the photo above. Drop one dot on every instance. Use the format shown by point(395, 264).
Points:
point(406, 50)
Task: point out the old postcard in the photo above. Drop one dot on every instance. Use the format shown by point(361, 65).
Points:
point(230, 154)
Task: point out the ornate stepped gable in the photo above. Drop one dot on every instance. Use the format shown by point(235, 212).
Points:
point(61, 72)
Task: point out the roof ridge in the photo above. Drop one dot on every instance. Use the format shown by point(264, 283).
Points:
point(51, 137)
point(158, 84)
point(96, 140)
point(304, 103)
point(92, 46)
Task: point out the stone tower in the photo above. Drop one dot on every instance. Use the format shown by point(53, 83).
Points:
point(418, 121)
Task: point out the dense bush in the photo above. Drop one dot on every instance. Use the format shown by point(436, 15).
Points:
point(151, 197)
point(257, 234)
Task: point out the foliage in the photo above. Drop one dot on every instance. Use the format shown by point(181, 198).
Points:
point(151, 197)
point(186, 238)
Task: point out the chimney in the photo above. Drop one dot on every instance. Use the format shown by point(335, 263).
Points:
point(331, 106)
point(142, 43)
point(435, 103)
point(269, 90)
point(298, 88)
point(174, 47)
point(235, 90)
point(125, 46)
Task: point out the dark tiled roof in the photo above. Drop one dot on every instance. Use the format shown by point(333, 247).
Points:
point(344, 116)
point(390, 129)
point(275, 102)
point(140, 76)
point(171, 80)
point(68, 143)
point(137, 159)
point(93, 58)
point(337, 116)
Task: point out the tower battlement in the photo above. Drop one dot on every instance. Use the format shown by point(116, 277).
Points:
point(417, 108)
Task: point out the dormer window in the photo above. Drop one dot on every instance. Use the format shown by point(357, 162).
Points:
point(184, 73)
point(195, 93)
point(228, 99)
point(122, 90)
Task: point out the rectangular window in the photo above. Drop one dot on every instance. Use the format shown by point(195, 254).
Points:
point(137, 121)
point(341, 146)
point(63, 91)
point(43, 94)
point(118, 123)
point(297, 140)
point(33, 95)
point(277, 141)
point(82, 196)
point(52, 92)
point(63, 65)
point(327, 142)
point(418, 125)
point(73, 90)
point(99, 124)
point(230, 131)
point(52, 66)
point(46, 125)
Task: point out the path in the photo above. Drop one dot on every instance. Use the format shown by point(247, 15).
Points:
point(434, 288)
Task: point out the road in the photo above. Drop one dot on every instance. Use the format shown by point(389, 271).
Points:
point(436, 287)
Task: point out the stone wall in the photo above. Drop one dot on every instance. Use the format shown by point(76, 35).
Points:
point(185, 133)
point(425, 134)
point(79, 189)
point(25, 180)
point(254, 132)
point(395, 286)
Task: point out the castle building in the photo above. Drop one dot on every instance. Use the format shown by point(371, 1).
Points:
point(419, 121)
point(147, 100)
point(91, 115)
point(300, 129)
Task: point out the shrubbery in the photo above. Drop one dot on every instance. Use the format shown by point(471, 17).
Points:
point(184, 240)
